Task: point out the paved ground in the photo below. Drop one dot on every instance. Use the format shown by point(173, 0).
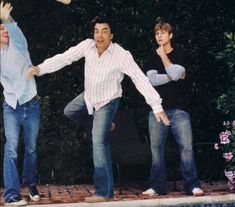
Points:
point(73, 195)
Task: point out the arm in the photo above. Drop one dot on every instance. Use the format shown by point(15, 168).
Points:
point(59, 61)
point(174, 71)
point(16, 35)
point(157, 79)
point(130, 68)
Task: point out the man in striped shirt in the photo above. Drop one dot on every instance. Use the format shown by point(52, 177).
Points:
point(105, 65)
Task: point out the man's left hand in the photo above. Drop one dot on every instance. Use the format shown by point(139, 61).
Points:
point(161, 116)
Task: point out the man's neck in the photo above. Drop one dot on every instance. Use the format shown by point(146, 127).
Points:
point(100, 52)
point(168, 48)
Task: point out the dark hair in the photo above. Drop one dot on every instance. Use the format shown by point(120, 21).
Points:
point(0, 21)
point(104, 19)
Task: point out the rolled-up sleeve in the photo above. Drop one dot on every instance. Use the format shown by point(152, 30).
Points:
point(175, 71)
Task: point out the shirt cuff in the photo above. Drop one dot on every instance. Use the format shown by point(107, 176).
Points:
point(157, 108)
point(41, 72)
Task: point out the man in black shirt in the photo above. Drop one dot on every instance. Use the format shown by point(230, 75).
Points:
point(166, 72)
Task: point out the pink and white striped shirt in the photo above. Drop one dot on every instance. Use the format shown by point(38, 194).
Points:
point(104, 74)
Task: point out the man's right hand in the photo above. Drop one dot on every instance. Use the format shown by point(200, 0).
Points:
point(161, 116)
point(32, 71)
point(5, 11)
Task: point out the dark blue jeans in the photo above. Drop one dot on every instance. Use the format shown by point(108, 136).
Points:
point(27, 116)
point(102, 121)
point(180, 126)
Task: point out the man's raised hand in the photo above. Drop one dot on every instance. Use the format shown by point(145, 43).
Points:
point(5, 10)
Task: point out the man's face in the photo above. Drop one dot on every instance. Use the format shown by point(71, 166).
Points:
point(102, 36)
point(163, 37)
point(4, 36)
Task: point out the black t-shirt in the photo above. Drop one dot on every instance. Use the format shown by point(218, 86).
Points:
point(173, 93)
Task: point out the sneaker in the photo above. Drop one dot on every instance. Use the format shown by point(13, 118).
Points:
point(197, 192)
point(33, 193)
point(150, 192)
point(16, 201)
point(96, 199)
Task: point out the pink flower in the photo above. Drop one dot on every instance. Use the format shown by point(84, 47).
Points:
point(224, 137)
point(230, 175)
point(226, 123)
point(226, 145)
point(216, 146)
point(228, 156)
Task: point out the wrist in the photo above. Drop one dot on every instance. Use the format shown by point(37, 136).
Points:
point(6, 21)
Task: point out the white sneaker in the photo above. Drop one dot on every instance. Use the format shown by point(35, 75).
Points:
point(150, 192)
point(33, 193)
point(198, 192)
point(16, 201)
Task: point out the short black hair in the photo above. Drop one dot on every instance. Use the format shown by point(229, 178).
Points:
point(102, 20)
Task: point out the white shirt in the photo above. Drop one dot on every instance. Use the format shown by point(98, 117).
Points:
point(104, 74)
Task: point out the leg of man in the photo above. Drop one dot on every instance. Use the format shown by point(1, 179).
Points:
point(182, 131)
point(10, 173)
point(31, 127)
point(103, 175)
point(158, 135)
point(76, 109)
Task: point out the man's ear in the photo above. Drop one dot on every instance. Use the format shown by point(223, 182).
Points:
point(171, 35)
point(111, 36)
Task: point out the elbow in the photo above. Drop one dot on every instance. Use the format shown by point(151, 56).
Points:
point(174, 77)
point(175, 72)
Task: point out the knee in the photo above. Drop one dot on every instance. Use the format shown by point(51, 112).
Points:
point(10, 150)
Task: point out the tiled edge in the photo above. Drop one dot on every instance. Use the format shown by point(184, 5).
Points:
point(186, 201)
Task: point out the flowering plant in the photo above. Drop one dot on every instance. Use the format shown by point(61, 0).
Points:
point(227, 145)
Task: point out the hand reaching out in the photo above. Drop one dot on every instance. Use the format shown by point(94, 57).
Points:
point(32, 71)
point(5, 11)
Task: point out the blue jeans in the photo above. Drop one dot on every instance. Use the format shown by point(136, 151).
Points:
point(180, 126)
point(26, 116)
point(102, 122)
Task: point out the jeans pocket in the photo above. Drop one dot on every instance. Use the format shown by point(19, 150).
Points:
point(5, 105)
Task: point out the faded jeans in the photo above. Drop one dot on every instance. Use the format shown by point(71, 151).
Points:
point(180, 127)
point(102, 121)
point(26, 116)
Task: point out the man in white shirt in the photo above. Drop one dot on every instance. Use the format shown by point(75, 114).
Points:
point(105, 65)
